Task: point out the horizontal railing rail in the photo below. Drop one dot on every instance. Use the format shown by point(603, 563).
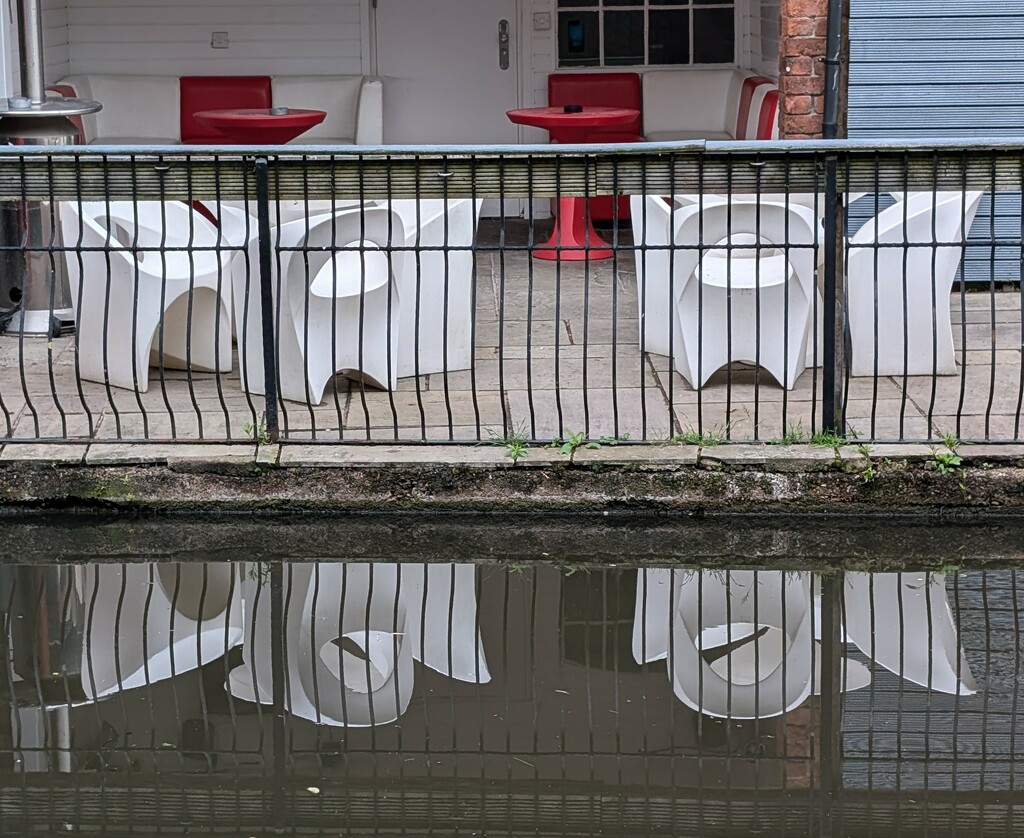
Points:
point(773, 292)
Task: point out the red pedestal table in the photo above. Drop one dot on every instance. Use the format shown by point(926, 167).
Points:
point(574, 237)
point(261, 126)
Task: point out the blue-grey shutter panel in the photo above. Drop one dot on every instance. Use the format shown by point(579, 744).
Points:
point(944, 68)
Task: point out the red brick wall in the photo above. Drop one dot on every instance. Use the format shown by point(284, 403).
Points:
point(801, 67)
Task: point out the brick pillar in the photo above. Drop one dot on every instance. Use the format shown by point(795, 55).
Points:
point(802, 67)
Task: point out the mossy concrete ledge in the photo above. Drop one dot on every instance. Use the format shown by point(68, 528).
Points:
point(676, 478)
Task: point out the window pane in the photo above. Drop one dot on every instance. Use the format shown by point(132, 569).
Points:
point(713, 36)
point(578, 39)
point(622, 2)
point(623, 38)
point(567, 4)
point(669, 37)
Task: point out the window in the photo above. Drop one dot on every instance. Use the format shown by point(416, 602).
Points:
point(620, 33)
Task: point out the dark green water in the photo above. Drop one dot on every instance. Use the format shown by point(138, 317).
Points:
point(554, 676)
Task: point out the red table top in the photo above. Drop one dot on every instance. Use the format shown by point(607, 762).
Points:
point(259, 125)
point(556, 117)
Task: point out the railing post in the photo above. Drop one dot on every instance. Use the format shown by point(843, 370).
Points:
point(267, 297)
point(834, 292)
point(831, 732)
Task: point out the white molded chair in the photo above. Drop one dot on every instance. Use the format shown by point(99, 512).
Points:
point(337, 301)
point(352, 631)
point(763, 283)
point(148, 622)
point(898, 296)
point(757, 627)
point(138, 304)
point(903, 622)
point(436, 289)
point(651, 217)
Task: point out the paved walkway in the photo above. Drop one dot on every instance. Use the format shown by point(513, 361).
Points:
point(556, 353)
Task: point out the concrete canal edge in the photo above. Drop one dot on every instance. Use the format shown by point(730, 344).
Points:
point(722, 479)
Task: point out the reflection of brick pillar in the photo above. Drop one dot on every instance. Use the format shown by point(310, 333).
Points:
point(802, 67)
point(802, 746)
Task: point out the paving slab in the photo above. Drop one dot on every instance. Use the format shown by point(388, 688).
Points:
point(105, 454)
point(44, 453)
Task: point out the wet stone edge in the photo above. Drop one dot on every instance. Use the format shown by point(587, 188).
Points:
point(726, 479)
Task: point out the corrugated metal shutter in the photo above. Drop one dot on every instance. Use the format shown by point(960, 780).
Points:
point(949, 68)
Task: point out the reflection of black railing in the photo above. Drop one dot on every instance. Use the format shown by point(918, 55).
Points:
point(340, 697)
point(765, 291)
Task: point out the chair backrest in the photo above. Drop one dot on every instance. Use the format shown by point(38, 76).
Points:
point(748, 111)
point(922, 218)
point(691, 100)
point(204, 93)
point(788, 226)
point(337, 95)
point(137, 107)
point(612, 90)
point(376, 228)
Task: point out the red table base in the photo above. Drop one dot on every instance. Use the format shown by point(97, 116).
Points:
point(574, 238)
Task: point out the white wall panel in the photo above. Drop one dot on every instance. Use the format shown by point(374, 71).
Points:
point(273, 38)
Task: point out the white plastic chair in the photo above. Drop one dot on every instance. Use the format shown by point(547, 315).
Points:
point(652, 217)
point(337, 298)
point(137, 303)
point(903, 622)
point(762, 284)
point(352, 632)
point(436, 289)
point(148, 622)
point(761, 623)
point(898, 296)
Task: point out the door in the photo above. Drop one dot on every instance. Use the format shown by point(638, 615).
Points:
point(446, 79)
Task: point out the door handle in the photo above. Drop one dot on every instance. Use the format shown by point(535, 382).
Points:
point(503, 42)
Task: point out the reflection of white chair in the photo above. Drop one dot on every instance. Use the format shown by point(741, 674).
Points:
point(903, 622)
point(899, 282)
point(740, 643)
point(136, 302)
point(352, 631)
point(747, 294)
point(148, 622)
point(336, 303)
point(436, 290)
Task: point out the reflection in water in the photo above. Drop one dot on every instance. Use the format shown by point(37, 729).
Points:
point(741, 644)
point(559, 701)
point(352, 632)
point(147, 622)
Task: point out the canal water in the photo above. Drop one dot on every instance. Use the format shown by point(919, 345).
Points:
point(517, 677)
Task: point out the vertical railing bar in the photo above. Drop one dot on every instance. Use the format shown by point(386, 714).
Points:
point(835, 331)
point(267, 301)
point(831, 734)
point(277, 640)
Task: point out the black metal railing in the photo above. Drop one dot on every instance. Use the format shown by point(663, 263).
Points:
point(765, 292)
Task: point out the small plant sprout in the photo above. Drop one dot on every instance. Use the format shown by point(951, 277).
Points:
point(946, 462)
point(257, 433)
point(827, 439)
point(514, 442)
point(793, 436)
point(571, 442)
point(869, 472)
point(704, 439)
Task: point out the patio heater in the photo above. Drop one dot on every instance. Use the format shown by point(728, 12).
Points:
point(34, 293)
